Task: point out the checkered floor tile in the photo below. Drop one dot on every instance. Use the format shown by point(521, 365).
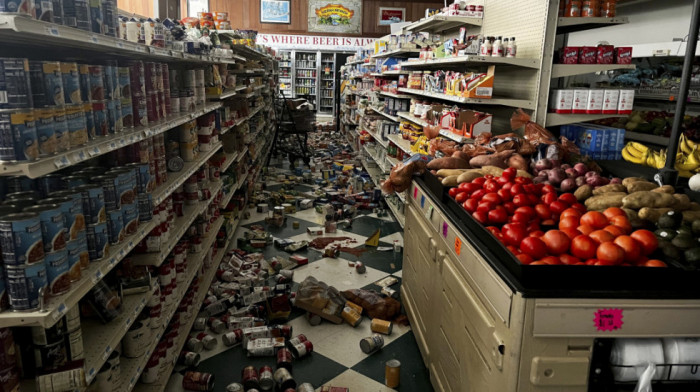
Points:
point(337, 359)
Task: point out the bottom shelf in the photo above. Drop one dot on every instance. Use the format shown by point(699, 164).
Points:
point(401, 218)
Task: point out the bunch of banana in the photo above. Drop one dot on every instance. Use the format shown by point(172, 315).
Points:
point(636, 153)
point(686, 145)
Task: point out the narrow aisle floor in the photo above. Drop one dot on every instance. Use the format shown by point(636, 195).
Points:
point(337, 359)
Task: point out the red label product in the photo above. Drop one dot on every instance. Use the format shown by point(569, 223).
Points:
point(561, 101)
point(595, 101)
point(605, 54)
point(580, 100)
point(569, 55)
point(624, 105)
point(623, 55)
point(588, 55)
point(610, 101)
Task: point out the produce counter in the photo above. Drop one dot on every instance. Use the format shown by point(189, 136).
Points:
point(485, 322)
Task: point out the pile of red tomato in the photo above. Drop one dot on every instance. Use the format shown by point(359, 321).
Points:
point(517, 211)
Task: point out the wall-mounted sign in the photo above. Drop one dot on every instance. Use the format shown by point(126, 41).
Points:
point(194, 6)
point(275, 11)
point(315, 42)
point(328, 17)
point(389, 15)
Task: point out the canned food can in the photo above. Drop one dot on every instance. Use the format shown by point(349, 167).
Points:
point(75, 219)
point(115, 226)
point(235, 387)
point(93, 200)
point(194, 344)
point(73, 318)
point(45, 131)
point(188, 358)
point(301, 338)
point(140, 110)
point(127, 113)
point(99, 112)
point(45, 336)
point(71, 83)
point(25, 7)
point(96, 17)
point(265, 378)
point(4, 301)
point(372, 343)
point(250, 378)
point(74, 181)
point(130, 215)
point(8, 353)
point(26, 284)
point(112, 116)
point(196, 381)
point(47, 83)
point(18, 136)
point(302, 349)
point(97, 82)
point(109, 188)
point(207, 340)
point(74, 345)
point(84, 75)
point(76, 13)
point(60, 126)
point(98, 240)
point(43, 10)
point(21, 183)
point(111, 84)
point(284, 359)
point(77, 127)
point(233, 337)
point(392, 373)
point(200, 324)
point(89, 120)
point(351, 316)
point(283, 379)
point(15, 87)
point(124, 81)
point(118, 125)
point(74, 251)
point(53, 226)
point(381, 326)
point(21, 239)
point(313, 318)
point(51, 355)
point(110, 15)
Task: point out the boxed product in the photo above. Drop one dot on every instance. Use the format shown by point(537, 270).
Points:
point(588, 55)
point(561, 101)
point(624, 105)
point(594, 104)
point(610, 101)
point(580, 100)
point(605, 54)
point(569, 55)
point(623, 55)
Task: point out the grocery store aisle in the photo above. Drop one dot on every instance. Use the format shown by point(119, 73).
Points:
point(337, 359)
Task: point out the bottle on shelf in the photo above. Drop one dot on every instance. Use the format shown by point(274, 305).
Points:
point(486, 47)
point(497, 47)
point(512, 48)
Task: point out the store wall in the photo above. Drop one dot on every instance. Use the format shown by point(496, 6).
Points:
point(138, 7)
point(650, 21)
point(245, 14)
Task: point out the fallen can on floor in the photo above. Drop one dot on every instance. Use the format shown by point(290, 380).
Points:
point(392, 373)
point(372, 343)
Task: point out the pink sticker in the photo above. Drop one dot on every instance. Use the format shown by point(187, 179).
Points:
point(444, 229)
point(415, 192)
point(608, 319)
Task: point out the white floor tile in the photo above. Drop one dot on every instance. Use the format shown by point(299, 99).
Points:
point(393, 237)
point(398, 274)
point(356, 382)
point(337, 273)
point(309, 215)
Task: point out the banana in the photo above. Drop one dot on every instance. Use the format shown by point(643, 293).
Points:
point(632, 158)
point(684, 145)
point(690, 143)
point(650, 160)
point(639, 146)
point(693, 157)
point(685, 173)
point(634, 152)
point(659, 160)
point(685, 166)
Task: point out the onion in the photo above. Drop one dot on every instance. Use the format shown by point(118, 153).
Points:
point(580, 168)
point(568, 185)
point(570, 173)
point(556, 176)
point(566, 166)
point(543, 164)
point(596, 181)
point(616, 180)
point(591, 174)
point(580, 181)
point(539, 179)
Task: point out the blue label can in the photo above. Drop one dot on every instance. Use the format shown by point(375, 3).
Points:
point(94, 207)
point(76, 13)
point(60, 127)
point(20, 239)
point(25, 285)
point(98, 241)
point(44, 10)
point(84, 73)
point(89, 120)
point(96, 17)
point(115, 226)
point(126, 184)
point(18, 138)
point(15, 89)
point(111, 82)
point(75, 219)
point(124, 80)
point(3, 291)
point(109, 188)
point(71, 83)
point(99, 112)
point(130, 213)
point(145, 203)
point(77, 127)
point(47, 83)
point(49, 183)
point(53, 226)
point(45, 131)
point(113, 116)
point(75, 253)
point(57, 269)
point(57, 11)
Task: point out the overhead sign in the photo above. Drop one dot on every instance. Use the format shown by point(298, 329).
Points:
point(329, 17)
point(314, 42)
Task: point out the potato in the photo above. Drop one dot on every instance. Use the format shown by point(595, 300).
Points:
point(450, 172)
point(682, 202)
point(664, 200)
point(450, 181)
point(583, 192)
point(469, 176)
point(665, 189)
point(653, 214)
point(640, 199)
point(629, 180)
point(638, 186)
point(601, 202)
point(523, 173)
point(492, 170)
point(448, 163)
point(609, 188)
point(694, 206)
point(690, 216)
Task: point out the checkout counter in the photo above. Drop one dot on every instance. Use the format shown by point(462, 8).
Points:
point(485, 323)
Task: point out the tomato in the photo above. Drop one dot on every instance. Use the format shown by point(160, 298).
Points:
point(524, 259)
point(477, 195)
point(591, 262)
point(585, 229)
point(461, 197)
point(471, 188)
point(491, 186)
point(470, 205)
point(510, 207)
point(494, 230)
point(481, 217)
point(501, 181)
point(571, 212)
point(517, 189)
point(453, 191)
point(654, 263)
point(571, 233)
point(568, 198)
point(523, 180)
point(622, 222)
point(485, 206)
point(514, 235)
point(631, 247)
point(606, 263)
point(557, 207)
point(568, 222)
point(551, 260)
point(533, 247)
point(646, 239)
point(579, 207)
point(549, 223)
point(463, 186)
point(537, 188)
point(533, 226)
point(536, 233)
point(489, 176)
point(557, 242)
point(525, 210)
point(611, 253)
point(543, 211)
point(549, 198)
point(538, 262)
point(519, 217)
point(504, 194)
point(614, 230)
point(498, 215)
point(594, 219)
point(510, 173)
point(509, 226)
point(507, 186)
point(601, 236)
point(583, 247)
point(521, 200)
point(614, 211)
point(533, 198)
point(479, 181)
point(569, 259)
point(548, 189)
point(511, 248)
point(492, 197)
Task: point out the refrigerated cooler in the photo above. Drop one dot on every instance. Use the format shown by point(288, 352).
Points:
point(285, 73)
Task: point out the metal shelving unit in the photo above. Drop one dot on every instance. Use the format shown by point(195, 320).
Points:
point(564, 70)
point(517, 103)
point(471, 59)
point(554, 119)
point(438, 23)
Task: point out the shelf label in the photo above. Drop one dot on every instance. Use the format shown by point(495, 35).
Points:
point(608, 319)
point(79, 156)
point(415, 192)
point(97, 277)
point(94, 39)
point(122, 142)
point(112, 145)
point(444, 229)
point(91, 372)
point(61, 162)
point(422, 201)
point(458, 246)
point(119, 44)
point(127, 323)
point(53, 30)
point(108, 350)
point(60, 310)
point(112, 261)
point(94, 151)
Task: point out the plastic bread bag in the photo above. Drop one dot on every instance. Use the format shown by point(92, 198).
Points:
point(374, 304)
point(401, 174)
point(534, 133)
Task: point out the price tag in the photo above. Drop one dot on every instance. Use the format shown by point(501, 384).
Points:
point(121, 253)
point(60, 310)
point(127, 323)
point(94, 151)
point(608, 319)
point(458, 246)
point(415, 192)
point(132, 138)
point(53, 30)
point(131, 244)
point(112, 145)
point(91, 372)
point(108, 350)
point(444, 229)
point(120, 44)
point(122, 142)
point(94, 39)
point(61, 162)
point(112, 261)
point(79, 156)
point(96, 278)
point(422, 201)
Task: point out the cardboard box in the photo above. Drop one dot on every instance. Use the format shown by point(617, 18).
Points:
point(592, 140)
point(480, 85)
point(605, 54)
point(624, 105)
point(561, 101)
point(588, 55)
point(580, 101)
point(569, 55)
point(610, 101)
point(623, 55)
point(314, 230)
point(299, 260)
point(594, 105)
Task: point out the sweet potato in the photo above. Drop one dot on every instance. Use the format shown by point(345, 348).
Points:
point(450, 181)
point(694, 206)
point(496, 159)
point(682, 202)
point(609, 188)
point(665, 189)
point(639, 186)
point(690, 216)
point(461, 155)
point(641, 199)
point(583, 192)
point(601, 202)
point(517, 161)
point(469, 176)
point(450, 172)
point(523, 173)
point(652, 214)
point(448, 163)
point(629, 180)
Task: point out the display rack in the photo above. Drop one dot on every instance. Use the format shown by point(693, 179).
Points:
point(516, 103)
point(438, 23)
